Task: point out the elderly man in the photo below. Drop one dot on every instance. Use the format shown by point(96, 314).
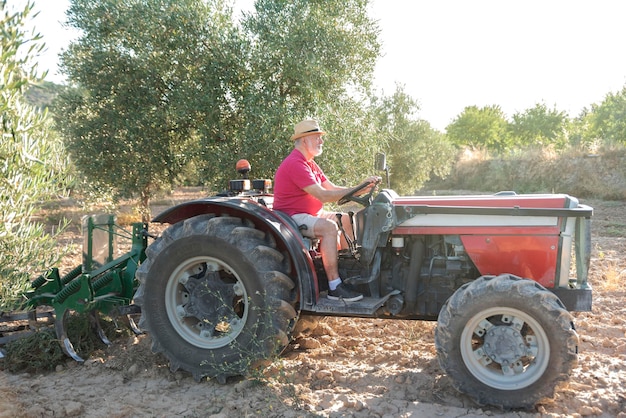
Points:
point(301, 189)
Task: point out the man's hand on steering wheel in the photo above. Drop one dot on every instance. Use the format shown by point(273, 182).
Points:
point(367, 187)
point(372, 182)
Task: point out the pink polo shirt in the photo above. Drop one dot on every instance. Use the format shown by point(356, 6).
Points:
point(293, 175)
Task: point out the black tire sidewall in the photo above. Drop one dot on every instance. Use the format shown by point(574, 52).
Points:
point(255, 328)
point(476, 300)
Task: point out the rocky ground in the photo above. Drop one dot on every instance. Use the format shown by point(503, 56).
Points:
point(345, 368)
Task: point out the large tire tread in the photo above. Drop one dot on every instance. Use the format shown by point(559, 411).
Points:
point(555, 318)
point(258, 249)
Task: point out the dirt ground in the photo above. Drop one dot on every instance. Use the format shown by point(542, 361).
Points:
point(345, 368)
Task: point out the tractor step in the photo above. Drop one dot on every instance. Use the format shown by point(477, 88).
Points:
point(366, 306)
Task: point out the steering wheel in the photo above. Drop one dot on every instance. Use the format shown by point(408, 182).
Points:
point(365, 200)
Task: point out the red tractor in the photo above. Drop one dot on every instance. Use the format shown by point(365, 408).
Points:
point(221, 290)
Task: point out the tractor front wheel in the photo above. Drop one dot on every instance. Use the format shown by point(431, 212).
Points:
point(506, 341)
point(215, 298)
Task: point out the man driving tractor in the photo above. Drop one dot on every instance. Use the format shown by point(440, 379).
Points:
point(301, 189)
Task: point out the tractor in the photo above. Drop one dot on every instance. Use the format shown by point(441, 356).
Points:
point(223, 287)
point(221, 290)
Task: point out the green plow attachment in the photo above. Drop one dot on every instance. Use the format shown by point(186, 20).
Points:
point(101, 284)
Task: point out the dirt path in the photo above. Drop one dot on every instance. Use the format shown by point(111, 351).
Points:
point(345, 368)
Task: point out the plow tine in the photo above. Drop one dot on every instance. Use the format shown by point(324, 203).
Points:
point(94, 317)
point(66, 344)
point(130, 323)
point(126, 315)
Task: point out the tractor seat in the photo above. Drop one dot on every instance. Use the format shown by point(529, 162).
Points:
point(311, 243)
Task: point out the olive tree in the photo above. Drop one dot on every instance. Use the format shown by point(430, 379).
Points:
point(485, 128)
point(416, 152)
point(539, 126)
point(162, 84)
point(305, 58)
point(608, 119)
point(32, 162)
point(152, 80)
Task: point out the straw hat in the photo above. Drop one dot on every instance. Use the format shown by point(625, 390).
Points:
point(306, 127)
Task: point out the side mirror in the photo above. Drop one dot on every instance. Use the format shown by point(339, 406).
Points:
point(380, 164)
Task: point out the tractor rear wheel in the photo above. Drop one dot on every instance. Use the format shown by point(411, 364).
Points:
point(506, 341)
point(215, 297)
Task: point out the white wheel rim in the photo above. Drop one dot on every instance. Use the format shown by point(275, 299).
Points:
point(506, 356)
point(199, 331)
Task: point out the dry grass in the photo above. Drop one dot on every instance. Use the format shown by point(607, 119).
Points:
point(613, 279)
point(612, 271)
point(601, 175)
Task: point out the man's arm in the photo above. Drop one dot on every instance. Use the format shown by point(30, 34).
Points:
point(329, 192)
point(326, 193)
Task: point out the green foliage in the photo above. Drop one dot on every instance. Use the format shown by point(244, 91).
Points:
point(416, 152)
point(539, 126)
point(307, 51)
point(303, 58)
point(155, 79)
point(602, 125)
point(350, 144)
point(32, 164)
point(487, 128)
point(170, 92)
point(608, 119)
point(480, 128)
point(167, 85)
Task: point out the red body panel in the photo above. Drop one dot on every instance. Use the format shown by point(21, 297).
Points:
point(527, 246)
point(532, 256)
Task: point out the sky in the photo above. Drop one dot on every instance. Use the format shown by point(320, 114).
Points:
point(450, 54)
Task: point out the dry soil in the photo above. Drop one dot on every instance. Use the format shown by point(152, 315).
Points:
point(345, 368)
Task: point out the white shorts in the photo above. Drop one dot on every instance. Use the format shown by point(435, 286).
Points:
point(309, 221)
